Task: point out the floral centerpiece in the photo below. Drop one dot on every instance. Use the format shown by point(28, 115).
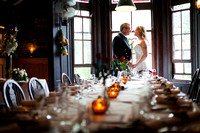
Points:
point(103, 70)
point(9, 42)
point(8, 45)
point(121, 64)
point(19, 74)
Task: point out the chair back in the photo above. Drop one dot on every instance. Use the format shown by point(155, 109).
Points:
point(36, 88)
point(65, 79)
point(193, 88)
point(77, 78)
point(12, 93)
point(197, 98)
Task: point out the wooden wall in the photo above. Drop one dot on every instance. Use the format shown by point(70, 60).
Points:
point(2, 67)
point(35, 67)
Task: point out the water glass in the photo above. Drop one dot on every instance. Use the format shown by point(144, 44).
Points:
point(118, 75)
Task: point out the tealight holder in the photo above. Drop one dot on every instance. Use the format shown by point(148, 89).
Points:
point(124, 80)
point(113, 92)
point(99, 106)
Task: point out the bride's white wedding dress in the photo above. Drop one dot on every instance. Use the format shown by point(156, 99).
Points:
point(138, 55)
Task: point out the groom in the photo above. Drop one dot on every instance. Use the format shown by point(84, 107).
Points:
point(120, 43)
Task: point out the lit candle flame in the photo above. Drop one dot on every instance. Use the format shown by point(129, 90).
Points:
point(31, 50)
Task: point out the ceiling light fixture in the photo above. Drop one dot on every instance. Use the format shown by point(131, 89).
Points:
point(198, 4)
point(125, 6)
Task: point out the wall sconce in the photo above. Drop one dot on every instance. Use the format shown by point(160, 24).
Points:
point(32, 49)
point(2, 27)
point(198, 4)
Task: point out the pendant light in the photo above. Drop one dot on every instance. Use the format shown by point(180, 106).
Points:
point(125, 6)
point(198, 4)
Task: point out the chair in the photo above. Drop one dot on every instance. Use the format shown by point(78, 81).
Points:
point(36, 88)
point(77, 78)
point(193, 88)
point(65, 79)
point(12, 93)
point(197, 98)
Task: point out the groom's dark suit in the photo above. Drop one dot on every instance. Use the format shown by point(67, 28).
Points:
point(121, 47)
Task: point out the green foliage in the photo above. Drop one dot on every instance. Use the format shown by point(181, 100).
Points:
point(120, 65)
point(103, 70)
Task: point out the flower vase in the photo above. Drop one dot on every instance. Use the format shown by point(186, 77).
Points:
point(116, 73)
point(105, 95)
point(8, 66)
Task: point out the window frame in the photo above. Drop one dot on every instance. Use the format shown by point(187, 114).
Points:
point(82, 40)
point(172, 45)
point(141, 6)
point(85, 7)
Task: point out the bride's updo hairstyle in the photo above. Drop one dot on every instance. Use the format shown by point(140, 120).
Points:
point(142, 31)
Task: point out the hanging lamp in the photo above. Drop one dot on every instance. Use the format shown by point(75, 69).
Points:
point(198, 4)
point(125, 6)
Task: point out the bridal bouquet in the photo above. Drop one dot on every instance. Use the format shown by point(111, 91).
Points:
point(19, 74)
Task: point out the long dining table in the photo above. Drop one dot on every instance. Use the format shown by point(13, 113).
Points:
point(136, 103)
point(136, 108)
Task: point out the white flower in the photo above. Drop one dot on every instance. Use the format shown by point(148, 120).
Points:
point(104, 74)
point(25, 74)
point(21, 73)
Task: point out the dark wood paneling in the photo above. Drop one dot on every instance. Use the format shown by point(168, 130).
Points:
point(2, 67)
point(35, 67)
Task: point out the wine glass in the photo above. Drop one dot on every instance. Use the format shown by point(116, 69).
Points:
point(153, 72)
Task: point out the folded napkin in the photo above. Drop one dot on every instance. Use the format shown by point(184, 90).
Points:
point(167, 85)
point(74, 87)
point(159, 81)
point(53, 94)
point(29, 103)
point(173, 100)
point(23, 117)
point(166, 91)
point(176, 119)
point(51, 99)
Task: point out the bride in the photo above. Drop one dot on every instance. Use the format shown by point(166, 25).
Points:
point(140, 50)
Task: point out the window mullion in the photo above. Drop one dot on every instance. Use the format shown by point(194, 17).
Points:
point(82, 44)
point(182, 40)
